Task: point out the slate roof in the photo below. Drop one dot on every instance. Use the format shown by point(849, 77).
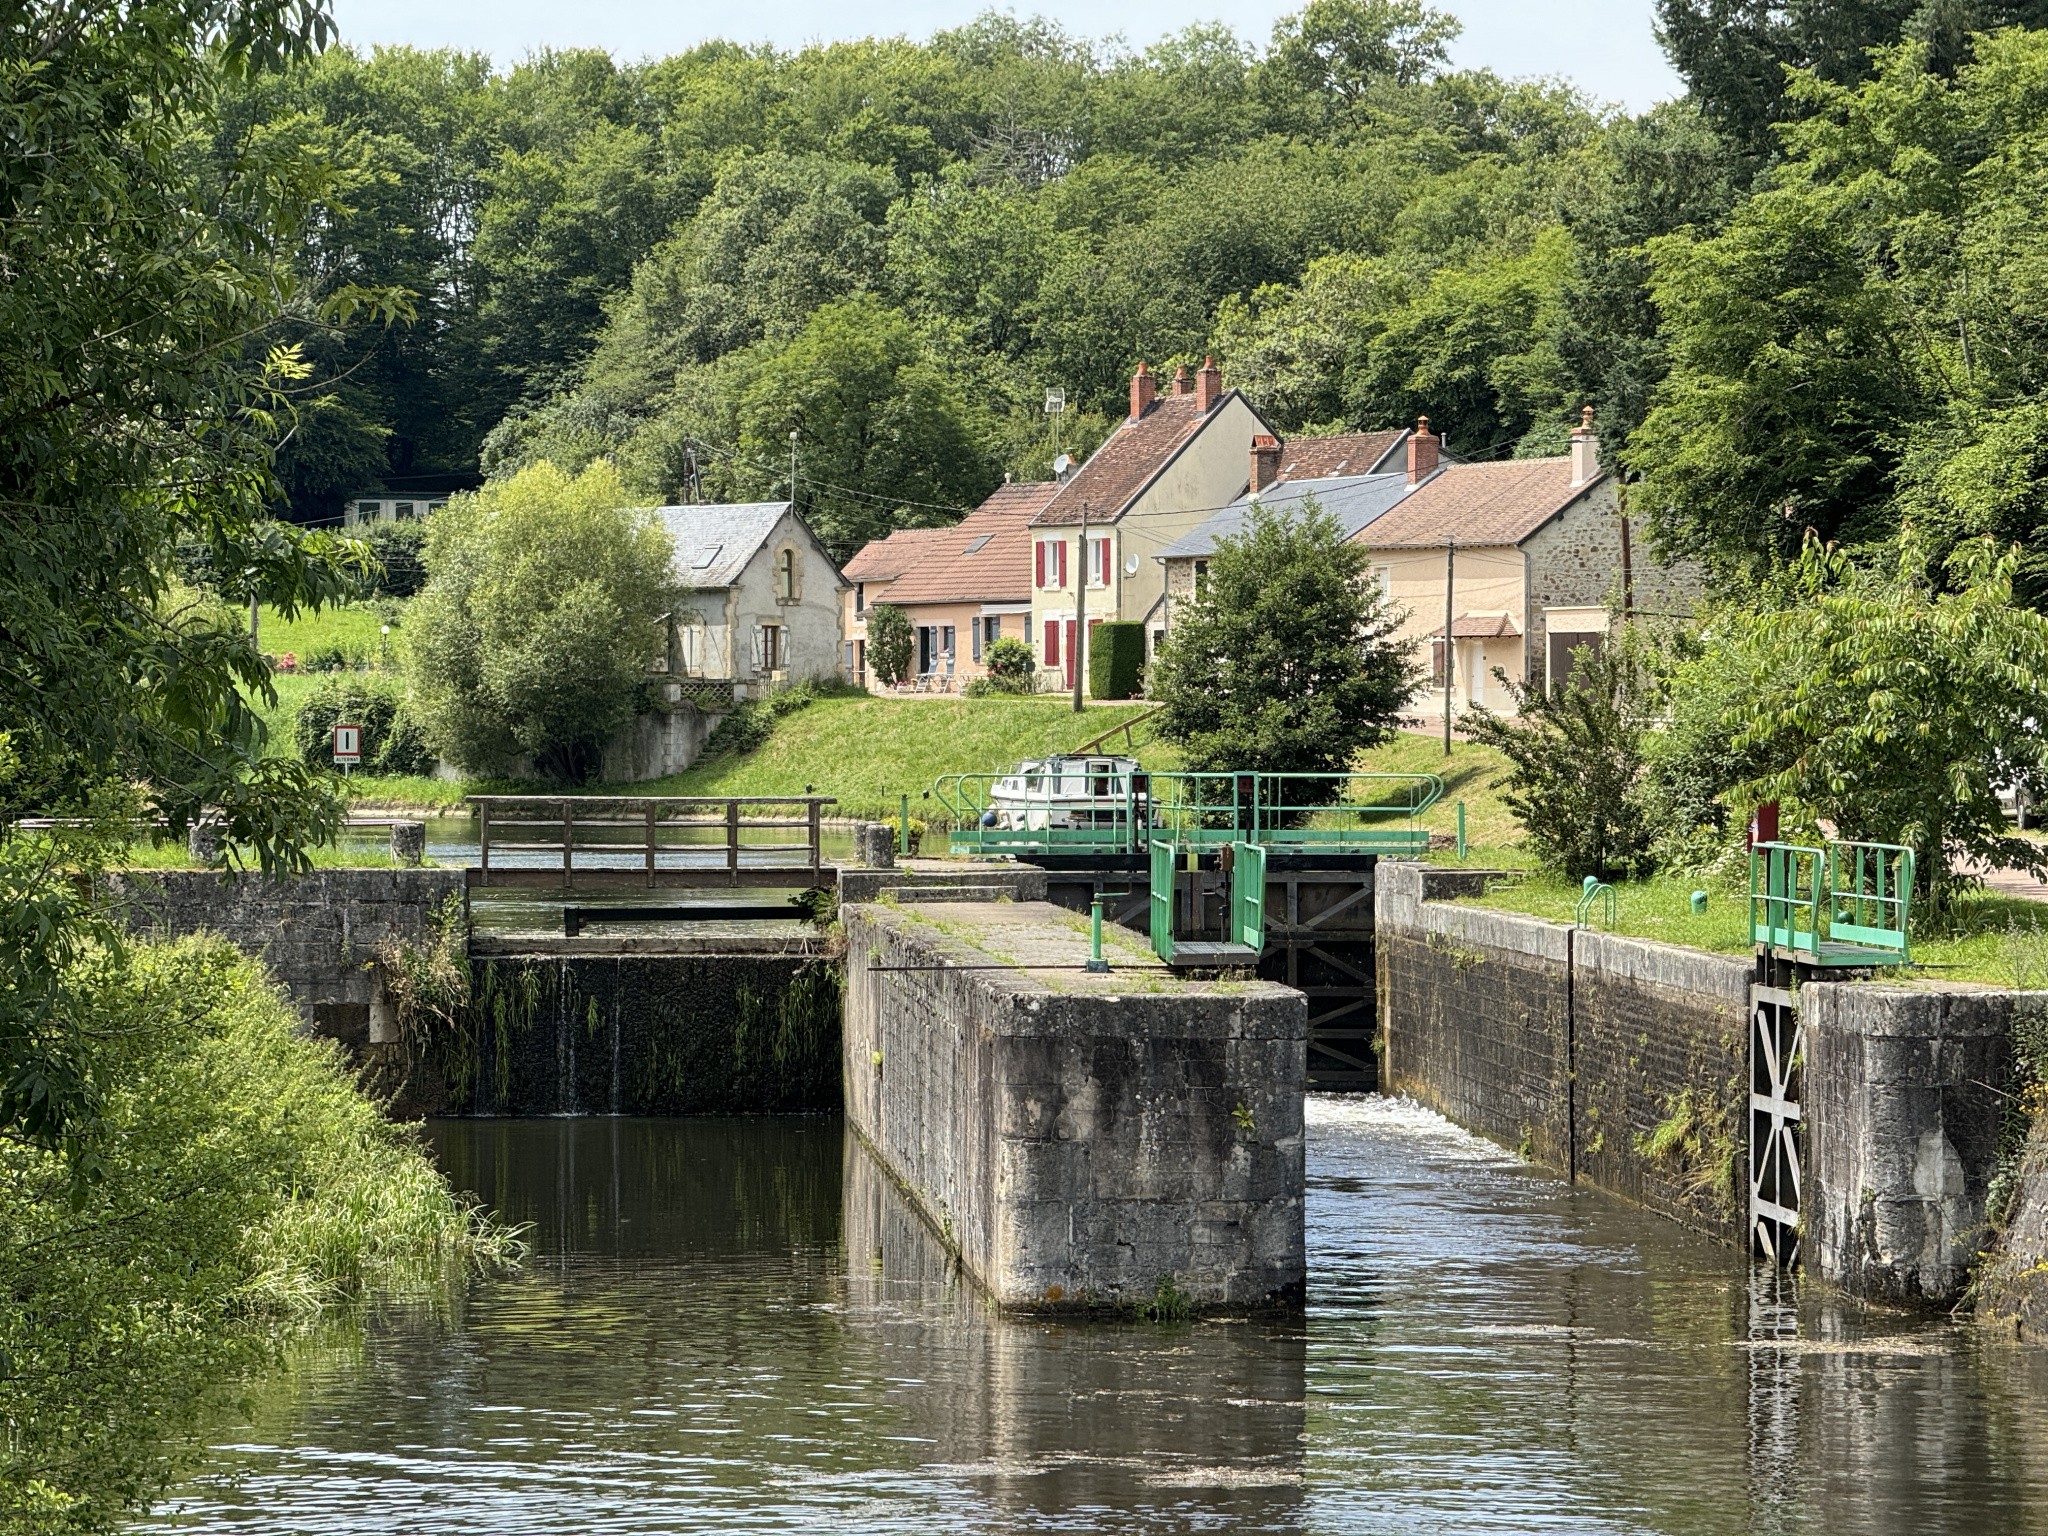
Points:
point(886, 559)
point(1356, 501)
point(1501, 503)
point(1346, 453)
point(714, 543)
point(1118, 472)
point(986, 557)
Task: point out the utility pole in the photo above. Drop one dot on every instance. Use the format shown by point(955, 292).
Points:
point(1450, 573)
point(1074, 652)
point(792, 464)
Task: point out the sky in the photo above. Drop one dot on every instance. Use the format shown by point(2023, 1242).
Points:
point(1605, 47)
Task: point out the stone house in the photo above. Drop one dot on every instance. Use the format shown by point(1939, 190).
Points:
point(1175, 461)
point(967, 587)
point(1528, 559)
point(758, 600)
point(1532, 555)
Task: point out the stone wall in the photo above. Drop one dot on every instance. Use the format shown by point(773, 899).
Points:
point(1078, 1146)
point(661, 742)
point(317, 933)
point(1904, 1107)
point(627, 1034)
point(1572, 1047)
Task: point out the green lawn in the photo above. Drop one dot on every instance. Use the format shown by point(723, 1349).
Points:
point(355, 627)
point(869, 751)
point(2000, 940)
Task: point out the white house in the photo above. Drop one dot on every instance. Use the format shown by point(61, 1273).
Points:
point(758, 601)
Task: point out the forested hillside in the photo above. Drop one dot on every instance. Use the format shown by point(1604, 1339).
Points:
point(892, 249)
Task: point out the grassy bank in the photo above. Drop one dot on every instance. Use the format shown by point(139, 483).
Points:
point(869, 751)
point(1998, 940)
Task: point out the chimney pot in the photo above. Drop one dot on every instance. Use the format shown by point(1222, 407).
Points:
point(1585, 449)
point(1422, 452)
point(1144, 388)
point(1265, 461)
point(1208, 385)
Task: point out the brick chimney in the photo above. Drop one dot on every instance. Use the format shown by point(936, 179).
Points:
point(1208, 385)
point(1144, 388)
point(1265, 461)
point(1422, 445)
point(1180, 380)
point(1585, 449)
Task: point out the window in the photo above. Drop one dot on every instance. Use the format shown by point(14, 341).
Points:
point(1099, 569)
point(1562, 659)
point(785, 575)
point(974, 546)
point(991, 628)
point(946, 646)
point(1436, 664)
point(1384, 576)
point(706, 557)
point(1201, 576)
point(368, 508)
point(860, 598)
point(1027, 629)
point(403, 509)
point(435, 506)
point(1052, 564)
point(770, 649)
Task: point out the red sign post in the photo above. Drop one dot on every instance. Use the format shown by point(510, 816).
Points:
point(348, 746)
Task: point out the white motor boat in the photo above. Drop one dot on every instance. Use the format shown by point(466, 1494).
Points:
point(1050, 792)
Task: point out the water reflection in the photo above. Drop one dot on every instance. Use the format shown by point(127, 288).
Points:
point(740, 1324)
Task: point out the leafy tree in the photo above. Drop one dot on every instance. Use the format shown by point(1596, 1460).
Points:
point(533, 634)
point(1338, 51)
point(136, 418)
point(889, 643)
point(1286, 661)
point(1011, 665)
point(1575, 764)
point(1892, 709)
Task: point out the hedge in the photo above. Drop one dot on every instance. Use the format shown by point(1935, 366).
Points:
point(392, 740)
point(1116, 660)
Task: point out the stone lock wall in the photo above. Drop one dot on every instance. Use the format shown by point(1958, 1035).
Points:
point(1074, 1148)
point(1573, 1047)
point(317, 933)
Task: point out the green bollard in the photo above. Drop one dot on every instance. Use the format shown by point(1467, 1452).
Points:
point(1095, 961)
point(903, 830)
point(1699, 902)
point(1461, 831)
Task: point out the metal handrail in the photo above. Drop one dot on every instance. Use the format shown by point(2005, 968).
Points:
point(1595, 892)
point(1847, 893)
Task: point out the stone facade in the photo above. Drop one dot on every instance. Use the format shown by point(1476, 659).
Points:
point(1079, 1142)
point(1576, 562)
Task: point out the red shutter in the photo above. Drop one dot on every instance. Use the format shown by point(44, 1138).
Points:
point(1052, 644)
point(1040, 547)
point(1062, 563)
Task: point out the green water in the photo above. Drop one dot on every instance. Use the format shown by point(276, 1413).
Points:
point(735, 1325)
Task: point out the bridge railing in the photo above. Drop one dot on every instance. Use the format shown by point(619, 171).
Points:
point(572, 840)
point(1121, 812)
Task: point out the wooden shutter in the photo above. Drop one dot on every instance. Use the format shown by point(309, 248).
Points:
point(1039, 546)
point(1052, 643)
point(1062, 563)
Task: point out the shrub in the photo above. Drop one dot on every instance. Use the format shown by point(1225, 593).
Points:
point(1575, 757)
point(392, 739)
point(533, 634)
point(1287, 661)
point(396, 547)
point(1116, 659)
point(889, 643)
point(331, 656)
point(1012, 669)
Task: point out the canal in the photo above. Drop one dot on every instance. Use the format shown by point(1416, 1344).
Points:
point(736, 1325)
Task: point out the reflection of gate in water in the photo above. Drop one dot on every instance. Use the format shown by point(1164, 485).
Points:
point(1774, 1061)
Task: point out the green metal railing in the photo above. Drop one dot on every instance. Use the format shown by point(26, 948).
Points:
point(1845, 904)
point(1165, 860)
point(1595, 896)
point(1322, 812)
point(1248, 896)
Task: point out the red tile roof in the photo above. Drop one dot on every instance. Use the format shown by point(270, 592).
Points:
point(1346, 453)
point(1117, 473)
point(886, 559)
point(1482, 626)
point(1500, 503)
point(984, 558)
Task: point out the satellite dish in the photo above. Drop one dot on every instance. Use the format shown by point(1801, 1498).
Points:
point(1061, 465)
point(1130, 565)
